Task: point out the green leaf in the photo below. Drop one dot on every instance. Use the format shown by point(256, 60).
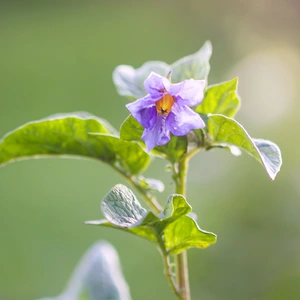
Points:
point(127, 155)
point(174, 150)
point(150, 184)
point(226, 131)
point(131, 129)
point(270, 155)
point(121, 208)
point(193, 66)
point(185, 233)
point(180, 231)
point(97, 275)
point(130, 82)
point(221, 99)
point(69, 135)
point(123, 211)
point(141, 231)
point(175, 208)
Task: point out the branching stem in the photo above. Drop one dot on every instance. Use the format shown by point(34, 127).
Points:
point(181, 287)
point(147, 197)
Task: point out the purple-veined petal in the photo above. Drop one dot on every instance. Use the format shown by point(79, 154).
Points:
point(182, 120)
point(188, 92)
point(158, 135)
point(156, 84)
point(141, 103)
point(142, 110)
point(146, 116)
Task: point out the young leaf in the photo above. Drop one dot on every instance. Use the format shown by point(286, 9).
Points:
point(98, 275)
point(173, 150)
point(68, 135)
point(141, 231)
point(123, 211)
point(150, 184)
point(185, 233)
point(120, 207)
point(130, 82)
point(131, 129)
point(224, 130)
point(194, 66)
point(270, 155)
point(175, 208)
point(221, 99)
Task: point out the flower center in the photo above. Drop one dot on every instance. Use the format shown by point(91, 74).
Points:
point(164, 105)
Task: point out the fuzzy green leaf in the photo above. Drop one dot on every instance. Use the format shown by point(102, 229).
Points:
point(194, 66)
point(174, 149)
point(226, 131)
point(221, 99)
point(130, 82)
point(123, 211)
point(97, 275)
point(128, 155)
point(120, 207)
point(70, 135)
point(141, 231)
point(131, 129)
point(185, 233)
point(150, 184)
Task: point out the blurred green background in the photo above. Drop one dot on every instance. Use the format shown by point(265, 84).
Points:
point(58, 56)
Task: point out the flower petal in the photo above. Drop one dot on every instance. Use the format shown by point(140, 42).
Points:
point(158, 135)
point(144, 111)
point(182, 120)
point(156, 84)
point(188, 92)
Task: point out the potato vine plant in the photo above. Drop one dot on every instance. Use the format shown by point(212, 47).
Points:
point(161, 124)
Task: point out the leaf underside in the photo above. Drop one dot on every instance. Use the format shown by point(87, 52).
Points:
point(130, 82)
point(224, 130)
point(173, 228)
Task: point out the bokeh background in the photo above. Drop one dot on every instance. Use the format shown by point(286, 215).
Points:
point(58, 56)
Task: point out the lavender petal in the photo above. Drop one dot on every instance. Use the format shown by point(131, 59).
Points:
point(182, 120)
point(188, 92)
point(156, 84)
point(158, 135)
point(144, 111)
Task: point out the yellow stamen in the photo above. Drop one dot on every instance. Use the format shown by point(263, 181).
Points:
point(164, 105)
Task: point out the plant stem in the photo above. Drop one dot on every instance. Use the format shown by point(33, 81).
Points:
point(181, 263)
point(167, 267)
point(148, 198)
point(170, 278)
point(182, 288)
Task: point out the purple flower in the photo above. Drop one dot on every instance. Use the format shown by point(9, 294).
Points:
point(166, 109)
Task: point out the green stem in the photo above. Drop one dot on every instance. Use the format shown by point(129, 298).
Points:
point(170, 277)
point(182, 288)
point(167, 267)
point(147, 197)
point(181, 263)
